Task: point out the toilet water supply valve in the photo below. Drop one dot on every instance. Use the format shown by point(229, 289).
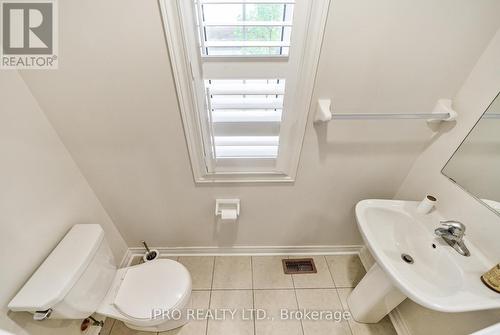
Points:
point(90, 321)
point(150, 254)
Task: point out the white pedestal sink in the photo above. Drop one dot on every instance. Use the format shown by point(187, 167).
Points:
point(493, 330)
point(434, 276)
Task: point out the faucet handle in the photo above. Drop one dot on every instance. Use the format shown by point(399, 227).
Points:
point(456, 227)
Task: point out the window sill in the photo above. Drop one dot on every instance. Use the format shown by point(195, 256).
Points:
point(225, 178)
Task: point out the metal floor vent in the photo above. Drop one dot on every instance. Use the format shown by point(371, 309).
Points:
point(298, 266)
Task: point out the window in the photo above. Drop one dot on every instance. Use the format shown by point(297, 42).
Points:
point(244, 72)
point(244, 28)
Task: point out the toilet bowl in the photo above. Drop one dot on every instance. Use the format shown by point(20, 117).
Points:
point(150, 297)
point(80, 278)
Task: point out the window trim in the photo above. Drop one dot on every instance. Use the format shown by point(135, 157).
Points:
point(184, 73)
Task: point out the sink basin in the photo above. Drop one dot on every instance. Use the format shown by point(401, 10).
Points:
point(493, 330)
point(434, 276)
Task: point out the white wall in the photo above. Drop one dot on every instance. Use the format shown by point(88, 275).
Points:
point(114, 105)
point(42, 195)
point(483, 225)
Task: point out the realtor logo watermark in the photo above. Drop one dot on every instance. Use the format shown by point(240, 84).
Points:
point(28, 34)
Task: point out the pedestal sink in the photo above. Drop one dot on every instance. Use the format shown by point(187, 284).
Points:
point(413, 262)
point(493, 330)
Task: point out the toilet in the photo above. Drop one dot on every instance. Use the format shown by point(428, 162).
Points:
point(80, 278)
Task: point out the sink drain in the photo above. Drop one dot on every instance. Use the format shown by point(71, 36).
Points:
point(407, 258)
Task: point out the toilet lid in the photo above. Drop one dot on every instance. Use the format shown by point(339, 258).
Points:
point(159, 284)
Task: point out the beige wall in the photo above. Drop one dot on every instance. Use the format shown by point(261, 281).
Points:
point(42, 195)
point(114, 105)
point(483, 226)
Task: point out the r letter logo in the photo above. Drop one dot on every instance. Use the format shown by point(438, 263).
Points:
point(29, 39)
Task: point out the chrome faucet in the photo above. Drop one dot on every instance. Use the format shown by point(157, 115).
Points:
point(453, 233)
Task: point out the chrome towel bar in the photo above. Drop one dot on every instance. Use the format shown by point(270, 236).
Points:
point(387, 116)
point(442, 112)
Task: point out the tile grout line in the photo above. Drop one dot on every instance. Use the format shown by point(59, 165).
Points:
point(297, 302)
point(331, 273)
point(253, 296)
point(210, 295)
point(232, 289)
point(338, 294)
point(111, 329)
point(266, 289)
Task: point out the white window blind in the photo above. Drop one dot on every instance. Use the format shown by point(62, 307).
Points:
point(245, 118)
point(244, 28)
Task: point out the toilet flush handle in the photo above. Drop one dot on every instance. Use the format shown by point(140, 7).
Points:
point(42, 315)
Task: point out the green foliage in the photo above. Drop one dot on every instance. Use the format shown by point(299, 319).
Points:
point(269, 12)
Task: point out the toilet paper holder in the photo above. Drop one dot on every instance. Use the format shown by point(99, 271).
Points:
point(227, 208)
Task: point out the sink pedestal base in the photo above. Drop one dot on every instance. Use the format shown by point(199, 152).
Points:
point(374, 297)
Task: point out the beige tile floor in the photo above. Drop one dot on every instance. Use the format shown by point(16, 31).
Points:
point(259, 282)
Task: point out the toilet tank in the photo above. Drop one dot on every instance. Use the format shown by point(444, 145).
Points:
point(73, 279)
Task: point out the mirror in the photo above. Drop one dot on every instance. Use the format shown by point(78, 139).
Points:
point(475, 165)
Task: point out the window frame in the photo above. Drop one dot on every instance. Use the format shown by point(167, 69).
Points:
point(187, 71)
point(201, 27)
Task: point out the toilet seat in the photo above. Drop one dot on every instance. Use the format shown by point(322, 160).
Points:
point(160, 284)
point(138, 289)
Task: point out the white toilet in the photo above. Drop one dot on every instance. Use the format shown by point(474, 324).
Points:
point(79, 278)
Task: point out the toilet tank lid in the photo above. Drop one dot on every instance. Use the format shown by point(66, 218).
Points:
point(61, 269)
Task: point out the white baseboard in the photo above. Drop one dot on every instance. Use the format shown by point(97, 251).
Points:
point(399, 322)
point(254, 250)
point(246, 251)
point(126, 258)
point(93, 331)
